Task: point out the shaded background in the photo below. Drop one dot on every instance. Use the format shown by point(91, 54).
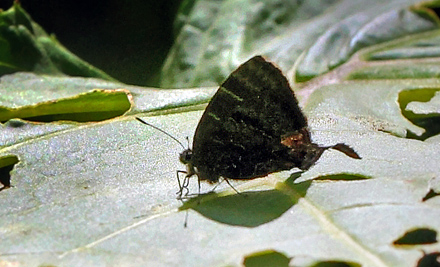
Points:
point(128, 39)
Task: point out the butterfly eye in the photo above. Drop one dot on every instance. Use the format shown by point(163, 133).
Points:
point(186, 156)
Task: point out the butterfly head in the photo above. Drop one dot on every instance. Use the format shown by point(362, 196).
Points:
point(186, 156)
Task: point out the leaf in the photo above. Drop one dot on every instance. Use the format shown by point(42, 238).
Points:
point(104, 193)
point(266, 258)
point(25, 46)
point(47, 98)
point(418, 236)
point(6, 165)
point(96, 105)
point(430, 107)
point(214, 37)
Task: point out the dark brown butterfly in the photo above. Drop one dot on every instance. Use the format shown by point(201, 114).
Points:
point(252, 126)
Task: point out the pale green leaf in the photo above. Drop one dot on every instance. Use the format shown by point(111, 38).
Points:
point(104, 193)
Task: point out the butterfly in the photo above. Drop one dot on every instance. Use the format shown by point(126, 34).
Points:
point(252, 127)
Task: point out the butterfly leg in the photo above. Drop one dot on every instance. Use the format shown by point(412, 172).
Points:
point(183, 186)
point(215, 186)
point(198, 182)
point(227, 181)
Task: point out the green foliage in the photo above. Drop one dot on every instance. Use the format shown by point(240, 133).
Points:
point(25, 46)
point(97, 194)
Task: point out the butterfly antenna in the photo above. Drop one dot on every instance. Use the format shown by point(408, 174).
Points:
point(157, 128)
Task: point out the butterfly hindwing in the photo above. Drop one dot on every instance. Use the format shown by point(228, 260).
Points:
point(239, 134)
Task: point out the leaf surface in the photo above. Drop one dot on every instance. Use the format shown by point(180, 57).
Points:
point(103, 193)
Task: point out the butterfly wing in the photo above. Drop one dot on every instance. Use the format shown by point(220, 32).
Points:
point(239, 134)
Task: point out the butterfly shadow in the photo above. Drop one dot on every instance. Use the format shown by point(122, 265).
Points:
point(251, 208)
